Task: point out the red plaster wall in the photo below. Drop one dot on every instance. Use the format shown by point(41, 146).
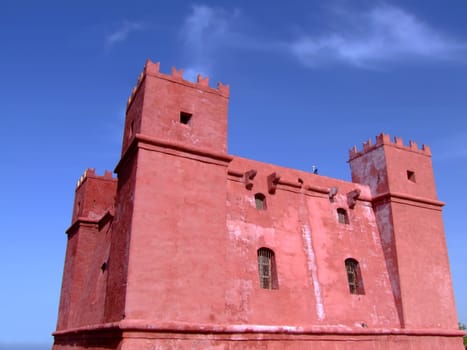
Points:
point(410, 223)
point(424, 268)
point(120, 232)
point(178, 243)
point(310, 246)
point(92, 294)
point(322, 343)
point(94, 195)
point(175, 341)
point(180, 234)
point(66, 297)
point(133, 117)
point(159, 99)
point(83, 286)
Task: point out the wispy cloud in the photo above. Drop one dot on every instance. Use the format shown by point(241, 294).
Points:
point(369, 39)
point(123, 32)
point(205, 25)
point(205, 30)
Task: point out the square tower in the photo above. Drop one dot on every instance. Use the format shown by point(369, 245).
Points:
point(410, 223)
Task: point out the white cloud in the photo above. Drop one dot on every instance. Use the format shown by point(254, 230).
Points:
point(383, 34)
point(191, 73)
point(367, 39)
point(204, 26)
point(204, 31)
point(123, 32)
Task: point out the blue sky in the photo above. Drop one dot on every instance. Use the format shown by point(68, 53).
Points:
point(308, 79)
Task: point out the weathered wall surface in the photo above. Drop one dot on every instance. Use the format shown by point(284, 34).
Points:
point(310, 244)
point(410, 223)
point(424, 268)
point(178, 244)
point(302, 343)
point(120, 231)
point(180, 341)
point(84, 282)
point(158, 100)
point(168, 257)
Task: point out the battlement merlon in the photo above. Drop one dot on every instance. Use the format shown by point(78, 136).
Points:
point(91, 173)
point(202, 83)
point(94, 196)
point(384, 139)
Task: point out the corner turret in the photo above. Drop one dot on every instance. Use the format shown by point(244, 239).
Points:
point(393, 167)
point(171, 109)
point(94, 195)
point(410, 224)
point(87, 250)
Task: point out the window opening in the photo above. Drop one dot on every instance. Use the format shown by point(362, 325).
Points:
point(78, 208)
point(132, 128)
point(260, 201)
point(267, 269)
point(185, 118)
point(342, 216)
point(354, 276)
point(411, 175)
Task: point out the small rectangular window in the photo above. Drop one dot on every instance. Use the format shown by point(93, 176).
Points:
point(411, 175)
point(342, 216)
point(185, 118)
point(132, 128)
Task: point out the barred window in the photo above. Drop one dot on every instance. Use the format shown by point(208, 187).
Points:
point(267, 269)
point(342, 216)
point(260, 201)
point(354, 276)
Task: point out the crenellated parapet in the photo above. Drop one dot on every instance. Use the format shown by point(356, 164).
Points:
point(176, 75)
point(385, 139)
point(357, 260)
point(94, 195)
point(91, 173)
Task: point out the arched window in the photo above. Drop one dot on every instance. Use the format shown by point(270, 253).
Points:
point(260, 201)
point(354, 276)
point(267, 269)
point(342, 216)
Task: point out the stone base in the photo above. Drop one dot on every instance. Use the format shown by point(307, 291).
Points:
point(131, 335)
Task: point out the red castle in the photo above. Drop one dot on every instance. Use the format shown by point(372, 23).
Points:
point(193, 248)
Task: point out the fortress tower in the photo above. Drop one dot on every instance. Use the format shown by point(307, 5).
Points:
point(410, 223)
point(172, 189)
point(192, 248)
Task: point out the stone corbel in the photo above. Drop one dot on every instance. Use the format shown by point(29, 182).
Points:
point(352, 197)
point(247, 177)
point(273, 179)
point(332, 193)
